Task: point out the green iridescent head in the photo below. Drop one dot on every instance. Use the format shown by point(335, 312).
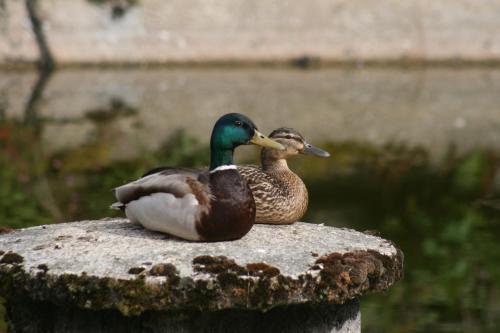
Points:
point(233, 130)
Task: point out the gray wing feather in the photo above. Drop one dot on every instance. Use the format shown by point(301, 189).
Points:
point(177, 181)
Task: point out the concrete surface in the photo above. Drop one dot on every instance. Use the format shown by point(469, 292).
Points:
point(17, 42)
point(294, 264)
point(155, 31)
point(296, 278)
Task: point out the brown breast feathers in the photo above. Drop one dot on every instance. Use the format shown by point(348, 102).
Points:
point(232, 212)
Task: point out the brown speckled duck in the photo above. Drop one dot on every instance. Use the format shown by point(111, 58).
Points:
point(280, 195)
point(210, 205)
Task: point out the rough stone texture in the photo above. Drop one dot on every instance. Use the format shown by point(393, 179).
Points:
point(435, 109)
point(17, 43)
point(242, 30)
point(113, 264)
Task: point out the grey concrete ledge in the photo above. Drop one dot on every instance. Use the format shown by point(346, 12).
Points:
point(112, 264)
point(155, 31)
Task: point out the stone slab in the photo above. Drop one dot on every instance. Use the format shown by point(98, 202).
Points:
point(155, 31)
point(113, 264)
point(244, 30)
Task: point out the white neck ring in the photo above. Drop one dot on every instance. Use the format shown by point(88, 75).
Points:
point(224, 167)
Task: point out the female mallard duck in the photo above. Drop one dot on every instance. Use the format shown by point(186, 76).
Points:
point(280, 195)
point(211, 205)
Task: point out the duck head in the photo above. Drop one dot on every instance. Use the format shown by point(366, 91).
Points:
point(294, 144)
point(233, 130)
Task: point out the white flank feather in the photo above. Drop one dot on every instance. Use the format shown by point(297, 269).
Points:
point(165, 213)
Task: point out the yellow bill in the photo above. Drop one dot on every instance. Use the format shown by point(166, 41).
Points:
point(262, 140)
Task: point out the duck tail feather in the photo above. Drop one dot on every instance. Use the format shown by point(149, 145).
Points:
point(118, 206)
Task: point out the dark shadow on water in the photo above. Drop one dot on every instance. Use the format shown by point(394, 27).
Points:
point(117, 109)
point(31, 109)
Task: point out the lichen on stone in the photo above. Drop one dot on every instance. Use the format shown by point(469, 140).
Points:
point(11, 258)
point(158, 274)
point(136, 270)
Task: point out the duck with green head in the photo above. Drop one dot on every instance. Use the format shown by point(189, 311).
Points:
point(211, 205)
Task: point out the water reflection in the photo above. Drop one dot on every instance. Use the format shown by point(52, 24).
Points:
point(430, 108)
point(415, 155)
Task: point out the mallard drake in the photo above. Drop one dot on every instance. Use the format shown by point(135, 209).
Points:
point(211, 205)
point(280, 195)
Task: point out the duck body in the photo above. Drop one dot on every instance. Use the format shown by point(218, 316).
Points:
point(231, 201)
point(280, 195)
point(198, 205)
point(190, 204)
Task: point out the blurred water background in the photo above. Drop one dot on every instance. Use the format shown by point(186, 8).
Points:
point(415, 156)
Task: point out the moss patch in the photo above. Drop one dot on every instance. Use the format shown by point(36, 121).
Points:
point(136, 270)
point(11, 258)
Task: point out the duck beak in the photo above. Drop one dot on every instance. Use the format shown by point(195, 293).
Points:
point(309, 149)
point(262, 140)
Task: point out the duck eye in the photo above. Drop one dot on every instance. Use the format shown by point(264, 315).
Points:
point(288, 136)
point(238, 123)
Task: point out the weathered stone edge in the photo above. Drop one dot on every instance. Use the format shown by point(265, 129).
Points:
point(219, 284)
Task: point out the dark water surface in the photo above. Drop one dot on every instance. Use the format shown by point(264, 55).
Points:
point(415, 155)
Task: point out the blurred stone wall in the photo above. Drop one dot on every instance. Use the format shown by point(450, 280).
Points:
point(158, 31)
